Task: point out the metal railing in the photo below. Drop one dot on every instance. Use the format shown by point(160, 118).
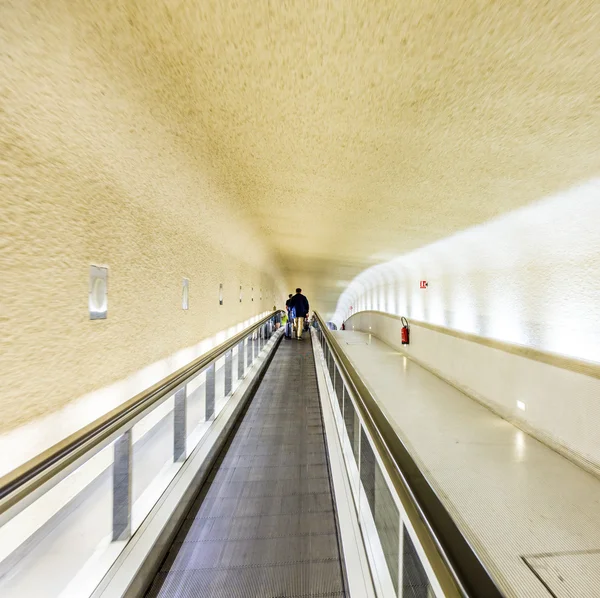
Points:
point(457, 569)
point(21, 487)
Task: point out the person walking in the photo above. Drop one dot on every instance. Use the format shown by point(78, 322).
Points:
point(299, 304)
point(291, 315)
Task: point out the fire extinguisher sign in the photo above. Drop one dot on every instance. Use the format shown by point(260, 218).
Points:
point(424, 284)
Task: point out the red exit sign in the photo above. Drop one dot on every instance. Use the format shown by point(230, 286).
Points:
point(424, 284)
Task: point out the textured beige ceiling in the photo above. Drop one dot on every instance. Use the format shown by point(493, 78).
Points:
point(351, 131)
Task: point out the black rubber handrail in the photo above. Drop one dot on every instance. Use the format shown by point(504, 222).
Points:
point(24, 480)
point(445, 545)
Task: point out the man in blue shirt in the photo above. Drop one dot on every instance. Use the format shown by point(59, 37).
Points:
point(299, 303)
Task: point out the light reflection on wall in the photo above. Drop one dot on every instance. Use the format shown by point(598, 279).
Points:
point(531, 277)
point(390, 298)
point(506, 322)
point(520, 446)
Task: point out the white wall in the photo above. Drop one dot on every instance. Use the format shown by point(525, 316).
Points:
point(531, 277)
point(562, 407)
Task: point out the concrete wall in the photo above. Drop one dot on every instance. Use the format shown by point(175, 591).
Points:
point(95, 169)
point(531, 278)
point(560, 406)
point(523, 285)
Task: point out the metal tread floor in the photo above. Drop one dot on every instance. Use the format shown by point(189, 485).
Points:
point(264, 523)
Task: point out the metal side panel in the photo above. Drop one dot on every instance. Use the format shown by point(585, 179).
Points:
point(136, 566)
point(264, 524)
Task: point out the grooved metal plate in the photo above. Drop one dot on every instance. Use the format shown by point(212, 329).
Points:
point(510, 494)
point(568, 575)
point(264, 524)
point(276, 581)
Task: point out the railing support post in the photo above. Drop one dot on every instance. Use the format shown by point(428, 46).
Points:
point(180, 425)
point(210, 392)
point(228, 371)
point(249, 345)
point(240, 360)
point(122, 479)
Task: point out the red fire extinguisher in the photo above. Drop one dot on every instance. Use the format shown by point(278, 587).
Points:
point(405, 332)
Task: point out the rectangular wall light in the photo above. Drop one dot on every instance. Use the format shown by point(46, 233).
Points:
point(98, 295)
point(185, 294)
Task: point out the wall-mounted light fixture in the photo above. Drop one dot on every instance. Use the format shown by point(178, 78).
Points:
point(252, 294)
point(221, 294)
point(185, 294)
point(98, 295)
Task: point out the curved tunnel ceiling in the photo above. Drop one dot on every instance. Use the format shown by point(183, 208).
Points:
point(353, 132)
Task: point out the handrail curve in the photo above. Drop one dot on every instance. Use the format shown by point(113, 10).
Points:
point(458, 569)
point(24, 483)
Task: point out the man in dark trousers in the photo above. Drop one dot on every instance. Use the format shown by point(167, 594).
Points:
point(300, 304)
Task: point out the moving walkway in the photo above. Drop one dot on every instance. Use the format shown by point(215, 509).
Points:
point(263, 468)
